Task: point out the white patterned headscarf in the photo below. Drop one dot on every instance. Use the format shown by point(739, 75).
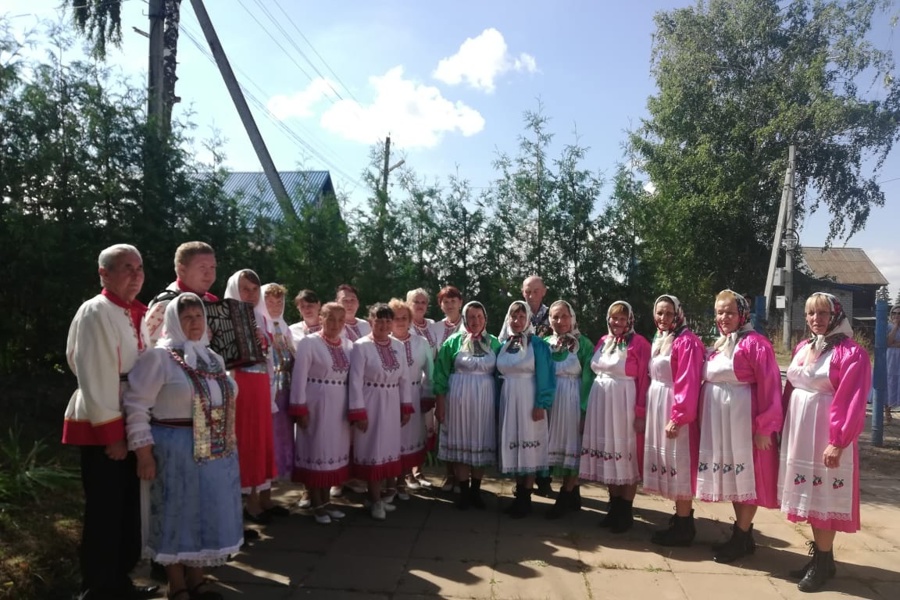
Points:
point(566, 341)
point(515, 341)
point(615, 343)
point(663, 340)
point(175, 338)
point(838, 328)
point(233, 292)
point(727, 343)
point(476, 343)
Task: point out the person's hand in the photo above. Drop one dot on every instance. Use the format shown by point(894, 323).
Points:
point(538, 414)
point(639, 424)
point(832, 457)
point(362, 425)
point(762, 441)
point(146, 464)
point(303, 421)
point(404, 418)
point(672, 430)
point(117, 450)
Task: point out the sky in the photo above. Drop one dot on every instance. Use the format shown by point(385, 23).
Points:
point(449, 82)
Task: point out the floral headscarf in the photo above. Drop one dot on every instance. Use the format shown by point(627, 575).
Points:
point(175, 338)
point(517, 341)
point(475, 342)
point(838, 329)
point(727, 343)
point(567, 341)
point(233, 292)
point(662, 340)
point(619, 343)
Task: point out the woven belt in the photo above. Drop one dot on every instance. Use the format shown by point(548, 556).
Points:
point(382, 385)
point(177, 423)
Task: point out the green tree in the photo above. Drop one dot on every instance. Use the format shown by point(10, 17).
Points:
point(740, 80)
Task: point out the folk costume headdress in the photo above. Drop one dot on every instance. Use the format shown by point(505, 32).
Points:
point(618, 343)
point(233, 291)
point(727, 343)
point(662, 340)
point(476, 343)
point(838, 329)
point(566, 341)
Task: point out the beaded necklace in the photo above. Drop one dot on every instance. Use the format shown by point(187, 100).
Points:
point(339, 362)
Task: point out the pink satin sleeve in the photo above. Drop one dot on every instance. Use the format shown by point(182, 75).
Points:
point(637, 365)
point(850, 373)
point(755, 362)
point(688, 356)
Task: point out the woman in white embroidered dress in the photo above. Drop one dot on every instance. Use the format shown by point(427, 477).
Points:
point(348, 297)
point(828, 384)
point(418, 299)
point(308, 305)
point(380, 405)
point(319, 405)
point(418, 357)
point(466, 403)
point(613, 441)
point(740, 418)
point(673, 431)
point(180, 410)
point(528, 385)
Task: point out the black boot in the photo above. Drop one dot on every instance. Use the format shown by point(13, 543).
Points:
point(562, 506)
point(543, 486)
point(575, 498)
point(462, 502)
point(625, 520)
point(517, 500)
point(523, 509)
point(820, 569)
point(739, 545)
point(681, 532)
point(612, 512)
point(801, 573)
point(475, 498)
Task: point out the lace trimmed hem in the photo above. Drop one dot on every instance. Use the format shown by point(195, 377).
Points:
point(748, 497)
point(616, 481)
point(203, 558)
point(139, 439)
point(819, 516)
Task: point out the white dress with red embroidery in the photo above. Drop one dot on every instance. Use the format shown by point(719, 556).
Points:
point(443, 329)
point(319, 390)
point(356, 330)
point(418, 357)
point(379, 393)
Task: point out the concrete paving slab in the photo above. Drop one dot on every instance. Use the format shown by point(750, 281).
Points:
point(367, 540)
point(839, 588)
point(251, 591)
point(703, 586)
point(371, 574)
point(274, 568)
point(631, 556)
point(466, 546)
point(548, 582)
point(634, 584)
point(446, 578)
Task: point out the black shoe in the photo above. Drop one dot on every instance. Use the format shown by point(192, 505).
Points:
point(543, 487)
point(681, 532)
point(158, 572)
point(140, 592)
point(562, 506)
point(819, 572)
point(517, 499)
point(625, 519)
point(612, 512)
point(262, 518)
point(739, 545)
point(523, 508)
point(465, 496)
point(276, 510)
point(251, 535)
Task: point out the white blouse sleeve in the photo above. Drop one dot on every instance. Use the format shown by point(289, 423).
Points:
point(145, 381)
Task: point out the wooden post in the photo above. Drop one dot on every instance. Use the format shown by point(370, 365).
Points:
point(156, 83)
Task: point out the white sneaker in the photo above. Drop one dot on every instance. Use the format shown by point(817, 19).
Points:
point(336, 491)
point(355, 485)
point(402, 495)
point(412, 484)
point(388, 507)
point(334, 513)
point(378, 511)
point(304, 503)
point(388, 497)
point(322, 519)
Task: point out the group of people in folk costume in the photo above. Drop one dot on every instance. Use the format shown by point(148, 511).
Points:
point(342, 401)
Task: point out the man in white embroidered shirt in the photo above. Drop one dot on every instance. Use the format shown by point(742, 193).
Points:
point(105, 339)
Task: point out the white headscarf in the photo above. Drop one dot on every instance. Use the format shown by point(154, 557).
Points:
point(506, 333)
point(233, 292)
point(838, 328)
point(274, 324)
point(727, 343)
point(567, 341)
point(663, 340)
point(175, 339)
point(618, 344)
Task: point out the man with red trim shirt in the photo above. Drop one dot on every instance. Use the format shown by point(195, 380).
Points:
point(195, 268)
point(105, 339)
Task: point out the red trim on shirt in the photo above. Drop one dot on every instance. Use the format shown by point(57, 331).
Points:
point(206, 296)
point(407, 409)
point(300, 410)
point(135, 309)
point(357, 414)
point(84, 433)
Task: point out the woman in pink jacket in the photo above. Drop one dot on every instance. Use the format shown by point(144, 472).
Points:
point(828, 383)
point(741, 415)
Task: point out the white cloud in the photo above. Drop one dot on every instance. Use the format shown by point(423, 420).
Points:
point(888, 262)
point(300, 104)
point(480, 60)
point(416, 115)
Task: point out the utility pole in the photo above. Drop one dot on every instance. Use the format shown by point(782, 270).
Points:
point(779, 235)
point(240, 103)
point(156, 83)
point(789, 247)
point(386, 170)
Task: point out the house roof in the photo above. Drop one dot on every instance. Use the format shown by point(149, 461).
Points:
point(849, 266)
point(253, 191)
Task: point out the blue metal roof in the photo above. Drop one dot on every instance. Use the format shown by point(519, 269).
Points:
point(255, 195)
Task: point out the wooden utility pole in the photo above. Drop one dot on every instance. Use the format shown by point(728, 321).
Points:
point(387, 161)
point(779, 232)
point(156, 84)
point(240, 103)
